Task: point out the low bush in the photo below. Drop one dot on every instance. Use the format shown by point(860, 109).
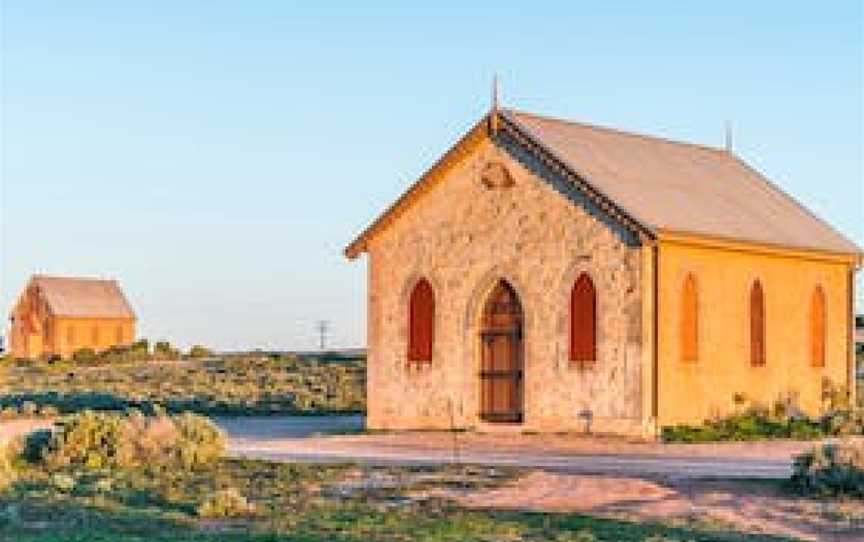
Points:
point(95, 440)
point(8, 452)
point(63, 483)
point(163, 350)
point(200, 442)
point(579, 536)
point(138, 351)
point(835, 469)
point(753, 424)
point(783, 420)
point(84, 356)
point(28, 409)
point(197, 351)
point(226, 503)
point(846, 422)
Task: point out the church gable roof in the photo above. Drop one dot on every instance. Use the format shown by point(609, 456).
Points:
point(83, 297)
point(682, 187)
point(656, 185)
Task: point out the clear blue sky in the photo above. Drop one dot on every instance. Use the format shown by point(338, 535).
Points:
point(217, 156)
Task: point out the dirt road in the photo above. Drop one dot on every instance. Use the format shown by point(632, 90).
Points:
point(335, 439)
point(306, 439)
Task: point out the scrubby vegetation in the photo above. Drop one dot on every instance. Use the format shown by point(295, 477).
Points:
point(234, 386)
point(835, 469)
point(101, 440)
point(137, 351)
point(783, 420)
point(111, 477)
point(197, 351)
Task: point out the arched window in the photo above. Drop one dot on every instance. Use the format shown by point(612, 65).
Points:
point(817, 328)
point(689, 320)
point(118, 335)
point(94, 336)
point(583, 320)
point(757, 325)
point(421, 322)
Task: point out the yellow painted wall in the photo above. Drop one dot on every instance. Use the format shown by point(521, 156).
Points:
point(96, 333)
point(55, 339)
point(692, 392)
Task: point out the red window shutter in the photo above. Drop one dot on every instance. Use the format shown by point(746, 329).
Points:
point(689, 320)
point(421, 322)
point(817, 328)
point(757, 325)
point(583, 320)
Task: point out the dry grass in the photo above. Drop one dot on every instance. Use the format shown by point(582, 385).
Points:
point(237, 386)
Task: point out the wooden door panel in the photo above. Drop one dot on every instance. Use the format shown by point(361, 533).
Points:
point(501, 363)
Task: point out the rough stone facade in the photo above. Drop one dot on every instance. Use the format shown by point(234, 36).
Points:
point(497, 215)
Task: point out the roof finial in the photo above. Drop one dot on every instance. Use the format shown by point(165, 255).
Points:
point(729, 136)
point(493, 114)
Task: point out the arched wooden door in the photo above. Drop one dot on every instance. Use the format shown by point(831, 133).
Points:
point(502, 357)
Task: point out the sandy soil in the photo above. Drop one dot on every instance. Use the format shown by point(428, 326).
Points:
point(312, 430)
point(746, 506)
point(548, 444)
point(12, 428)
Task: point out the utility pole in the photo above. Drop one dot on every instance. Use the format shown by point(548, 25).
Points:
point(323, 327)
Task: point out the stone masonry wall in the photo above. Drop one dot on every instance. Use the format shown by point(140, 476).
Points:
point(463, 237)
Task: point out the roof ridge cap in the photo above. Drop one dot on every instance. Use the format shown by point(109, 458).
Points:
point(583, 178)
point(65, 277)
point(619, 131)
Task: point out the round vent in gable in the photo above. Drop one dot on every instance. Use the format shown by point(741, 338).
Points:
point(495, 175)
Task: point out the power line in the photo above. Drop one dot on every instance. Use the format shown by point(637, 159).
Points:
point(323, 327)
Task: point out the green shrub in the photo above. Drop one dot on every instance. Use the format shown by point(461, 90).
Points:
point(846, 422)
point(163, 350)
point(579, 536)
point(90, 439)
point(226, 503)
point(200, 441)
point(63, 482)
point(782, 420)
point(123, 354)
point(141, 345)
point(84, 355)
point(831, 469)
point(197, 351)
point(102, 440)
point(753, 424)
point(834, 396)
point(48, 411)
point(8, 452)
point(28, 409)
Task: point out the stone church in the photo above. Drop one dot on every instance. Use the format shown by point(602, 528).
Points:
point(546, 275)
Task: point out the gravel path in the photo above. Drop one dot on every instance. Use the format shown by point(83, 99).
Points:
point(336, 439)
point(306, 440)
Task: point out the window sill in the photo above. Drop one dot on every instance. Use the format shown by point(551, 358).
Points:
point(582, 365)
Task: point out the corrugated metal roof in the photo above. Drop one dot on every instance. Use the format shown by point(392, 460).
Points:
point(681, 187)
point(83, 297)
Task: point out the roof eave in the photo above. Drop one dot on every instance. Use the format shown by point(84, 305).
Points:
point(480, 131)
point(854, 256)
